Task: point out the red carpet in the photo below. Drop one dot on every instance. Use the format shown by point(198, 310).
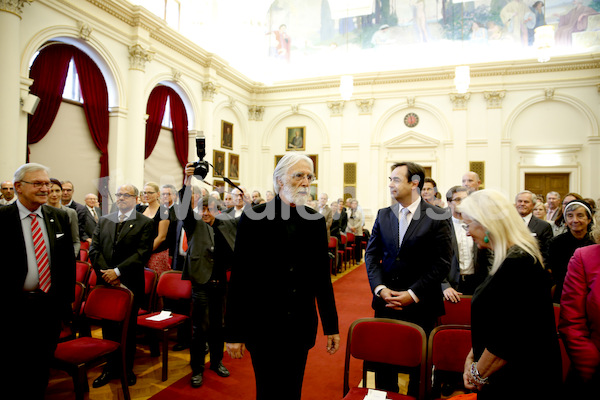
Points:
point(324, 374)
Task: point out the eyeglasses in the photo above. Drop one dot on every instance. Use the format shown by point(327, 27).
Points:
point(458, 200)
point(145, 193)
point(38, 185)
point(124, 195)
point(299, 176)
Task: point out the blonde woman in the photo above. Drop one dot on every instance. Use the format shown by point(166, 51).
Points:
point(539, 211)
point(159, 261)
point(512, 319)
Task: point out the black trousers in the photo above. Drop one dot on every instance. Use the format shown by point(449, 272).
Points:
point(207, 324)
point(279, 372)
point(31, 344)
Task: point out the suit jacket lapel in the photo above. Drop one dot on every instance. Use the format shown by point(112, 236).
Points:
point(49, 220)
point(394, 224)
point(416, 220)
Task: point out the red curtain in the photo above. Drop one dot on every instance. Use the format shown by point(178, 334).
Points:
point(180, 129)
point(157, 102)
point(95, 104)
point(49, 73)
point(155, 109)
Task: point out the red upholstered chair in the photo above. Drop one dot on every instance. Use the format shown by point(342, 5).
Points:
point(457, 313)
point(388, 341)
point(84, 254)
point(448, 347)
point(150, 278)
point(82, 271)
point(350, 247)
point(85, 245)
point(342, 251)
point(76, 356)
point(171, 286)
point(556, 314)
point(70, 332)
point(333, 249)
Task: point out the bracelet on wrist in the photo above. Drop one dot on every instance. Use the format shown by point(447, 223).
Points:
point(476, 376)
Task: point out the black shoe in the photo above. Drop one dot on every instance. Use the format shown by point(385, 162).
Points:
point(180, 347)
point(102, 380)
point(197, 380)
point(447, 389)
point(131, 379)
point(220, 370)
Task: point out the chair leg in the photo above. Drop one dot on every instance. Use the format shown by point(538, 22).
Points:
point(165, 354)
point(80, 382)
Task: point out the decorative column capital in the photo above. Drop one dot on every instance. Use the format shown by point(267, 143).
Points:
point(14, 6)
point(460, 100)
point(336, 108)
point(365, 106)
point(494, 98)
point(139, 56)
point(209, 89)
point(256, 113)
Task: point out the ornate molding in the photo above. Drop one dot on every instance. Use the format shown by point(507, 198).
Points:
point(336, 108)
point(139, 56)
point(85, 30)
point(231, 102)
point(295, 108)
point(494, 98)
point(549, 93)
point(410, 101)
point(176, 74)
point(14, 6)
point(209, 89)
point(365, 106)
point(460, 100)
point(256, 113)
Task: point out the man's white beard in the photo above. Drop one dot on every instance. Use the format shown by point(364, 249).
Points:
point(297, 196)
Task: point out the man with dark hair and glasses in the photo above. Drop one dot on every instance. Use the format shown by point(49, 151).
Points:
point(38, 282)
point(121, 247)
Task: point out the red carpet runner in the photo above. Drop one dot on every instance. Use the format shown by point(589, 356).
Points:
point(324, 373)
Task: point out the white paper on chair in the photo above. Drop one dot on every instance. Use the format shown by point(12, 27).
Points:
point(160, 317)
point(374, 394)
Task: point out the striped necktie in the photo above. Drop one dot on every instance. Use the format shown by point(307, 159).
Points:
point(41, 255)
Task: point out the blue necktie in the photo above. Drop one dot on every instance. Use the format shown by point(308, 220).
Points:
point(403, 225)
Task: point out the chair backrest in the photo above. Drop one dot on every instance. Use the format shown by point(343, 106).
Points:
point(79, 293)
point(344, 238)
point(447, 349)
point(109, 303)
point(82, 271)
point(387, 341)
point(92, 279)
point(350, 238)
point(457, 313)
point(556, 314)
point(84, 254)
point(85, 245)
point(333, 242)
point(171, 286)
point(150, 278)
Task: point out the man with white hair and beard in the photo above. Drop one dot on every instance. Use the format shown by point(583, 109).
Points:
point(280, 267)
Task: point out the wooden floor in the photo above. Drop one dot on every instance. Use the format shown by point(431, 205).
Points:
point(148, 371)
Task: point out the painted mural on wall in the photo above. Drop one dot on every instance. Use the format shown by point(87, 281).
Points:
point(329, 27)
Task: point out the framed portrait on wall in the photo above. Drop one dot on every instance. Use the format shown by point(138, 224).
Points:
point(220, 187)
point(231, 187)
point(277, 158)
point(226, 135)
point(234, 166)
point(218, 163)
point(296, 138)
point(315, 160)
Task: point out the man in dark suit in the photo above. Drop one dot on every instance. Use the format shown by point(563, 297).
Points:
point(407, 257)
point(280, 272)
point(67, 200)
point(38, 283)
point(121, 247)
point(542, 230)
point(92, 214)
point(469, 266)
point(211, 240)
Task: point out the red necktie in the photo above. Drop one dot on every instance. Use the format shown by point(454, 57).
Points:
point(41, 255)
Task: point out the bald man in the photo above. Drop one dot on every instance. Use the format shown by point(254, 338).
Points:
point(471, 181)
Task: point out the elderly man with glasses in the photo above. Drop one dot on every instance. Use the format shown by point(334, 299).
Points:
point(280, 273)
point(38, 281)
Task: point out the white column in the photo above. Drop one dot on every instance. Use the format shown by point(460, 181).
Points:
point(12, 135)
